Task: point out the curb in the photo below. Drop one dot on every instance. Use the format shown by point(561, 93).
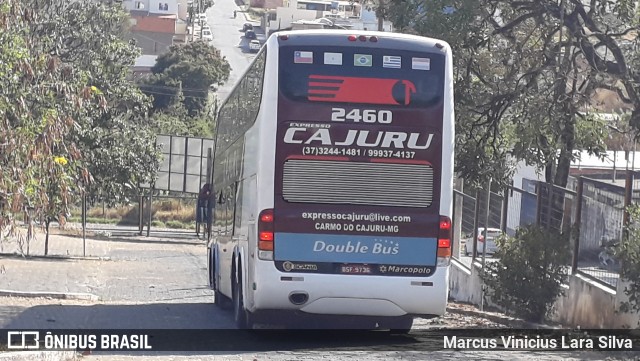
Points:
point(39, 356)
point(503, 319)
point(57, 257)
point(56, 295)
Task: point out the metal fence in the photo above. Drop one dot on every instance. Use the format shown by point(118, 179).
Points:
point(593, 217)
point(601, 224)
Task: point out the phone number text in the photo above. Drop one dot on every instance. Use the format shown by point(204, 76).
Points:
point(379, 153)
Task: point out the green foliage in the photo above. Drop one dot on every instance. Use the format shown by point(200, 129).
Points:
point(42, 98)
point(69, 118)
point(628, 254)
point(523, 73)
point(93, 220)
point(175, 121)
point(157, 223)
point(177, 225)
point(116, 141)
point(531, 268)
point(196, 68)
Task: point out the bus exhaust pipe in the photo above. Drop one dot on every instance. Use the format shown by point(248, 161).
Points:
point(298, 298)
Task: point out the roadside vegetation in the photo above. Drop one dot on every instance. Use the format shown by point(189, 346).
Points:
point(530, 78)
point(528, 275)
point(175, 213)
point(628, 255)
point(72, 123)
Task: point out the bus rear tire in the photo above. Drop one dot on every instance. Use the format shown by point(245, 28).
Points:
point(241, 316)
point(401, 326)
point(220, 300)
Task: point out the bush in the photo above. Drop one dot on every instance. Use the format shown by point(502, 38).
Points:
point(177, 224)
point(628, 255)
point(528, 277)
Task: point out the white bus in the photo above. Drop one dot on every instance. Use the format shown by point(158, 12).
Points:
point(333, 175)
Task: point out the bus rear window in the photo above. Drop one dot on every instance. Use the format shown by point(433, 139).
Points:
point(362, 75)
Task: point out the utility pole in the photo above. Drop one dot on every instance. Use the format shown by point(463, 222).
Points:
point(381, 12)
point(191, 18)
point(201, 11)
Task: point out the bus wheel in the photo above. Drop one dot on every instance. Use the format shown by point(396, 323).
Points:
point(242, 317)
point(401, 326)
point(220, 300)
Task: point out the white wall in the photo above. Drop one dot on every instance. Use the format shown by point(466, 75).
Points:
point(140, 5)
point(586, 303)
point(285, 16)
point(170, 5)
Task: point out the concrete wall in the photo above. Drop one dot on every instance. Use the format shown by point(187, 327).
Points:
point(586, 303)
point(464, 283)
point(285, 16)
point(154, 24)
point(163, 7)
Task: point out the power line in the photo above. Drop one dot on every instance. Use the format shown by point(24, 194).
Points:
point(173, 88)
point(172, 95)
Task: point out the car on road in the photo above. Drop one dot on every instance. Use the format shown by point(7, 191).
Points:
point(247, 26)
point(207, 35)
point(250, 34)
point(466, 244)
point(254, 46)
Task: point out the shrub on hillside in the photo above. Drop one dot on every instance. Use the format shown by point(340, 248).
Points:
point(628, 255)
point(531, 268)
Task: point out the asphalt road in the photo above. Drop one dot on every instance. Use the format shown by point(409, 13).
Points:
point(229, 39)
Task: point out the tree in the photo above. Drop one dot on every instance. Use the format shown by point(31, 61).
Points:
point(40, 163)
point(70, 116)
point(525, 74)
point(194, 69)
point(117, 143)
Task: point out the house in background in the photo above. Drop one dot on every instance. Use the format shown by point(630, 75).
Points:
point(155, 34)
point(157, 24)
point(159, 7)
point(142, 67)
point(297, 14)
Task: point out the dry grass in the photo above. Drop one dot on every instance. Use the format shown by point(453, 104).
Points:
point(165, 211)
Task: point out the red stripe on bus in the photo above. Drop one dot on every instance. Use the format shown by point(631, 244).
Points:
point(361, 90)
point(326, 85)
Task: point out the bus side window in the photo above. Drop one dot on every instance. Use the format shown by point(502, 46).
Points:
point(218, 215)
point(230, 196)
point(237, 210)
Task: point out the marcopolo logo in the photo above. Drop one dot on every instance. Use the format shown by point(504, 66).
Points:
point(23, 340)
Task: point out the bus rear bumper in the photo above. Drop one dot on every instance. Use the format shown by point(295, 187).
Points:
point(355, 295)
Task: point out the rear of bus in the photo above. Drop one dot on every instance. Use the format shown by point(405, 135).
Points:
point(363, 175)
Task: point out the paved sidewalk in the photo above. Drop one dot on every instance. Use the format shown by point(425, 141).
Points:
point(121, 267)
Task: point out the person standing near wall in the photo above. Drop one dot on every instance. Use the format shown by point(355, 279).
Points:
point(203, 209)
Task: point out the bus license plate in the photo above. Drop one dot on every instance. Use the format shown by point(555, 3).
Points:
point(355, 269)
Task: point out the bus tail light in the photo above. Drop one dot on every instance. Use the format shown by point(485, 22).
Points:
point(444, 241)
point(265, 234)
point(352, 38)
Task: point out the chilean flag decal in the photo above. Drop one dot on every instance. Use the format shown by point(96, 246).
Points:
point(325, 88)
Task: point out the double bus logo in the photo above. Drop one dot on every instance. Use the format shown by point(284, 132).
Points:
point(326, 88)
point(23, 340)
